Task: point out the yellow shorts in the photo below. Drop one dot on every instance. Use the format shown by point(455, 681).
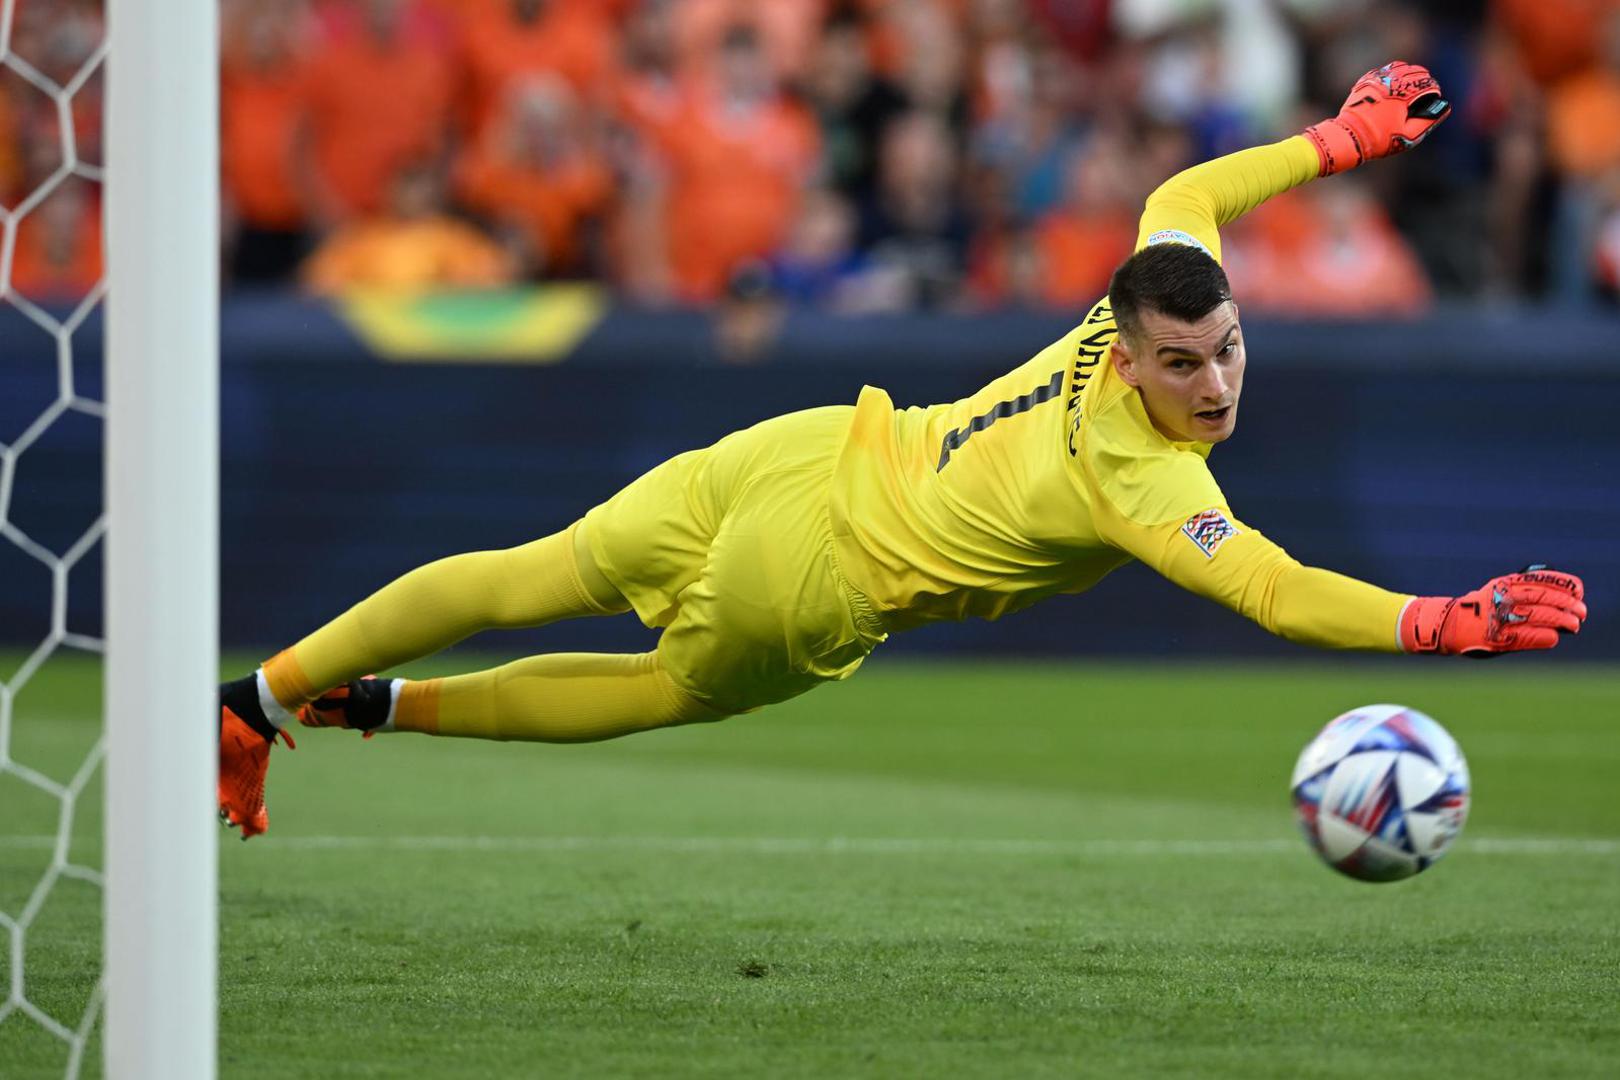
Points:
point(730, 550)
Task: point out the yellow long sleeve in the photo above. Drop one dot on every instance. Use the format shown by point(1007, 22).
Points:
point(1254, 577)
point(1199, 200)
point(1239, 568)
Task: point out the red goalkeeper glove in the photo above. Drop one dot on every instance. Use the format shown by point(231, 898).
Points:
point(1527, 610)
point(1388, 110)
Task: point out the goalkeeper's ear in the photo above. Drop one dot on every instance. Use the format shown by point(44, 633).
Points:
point(1119, 354)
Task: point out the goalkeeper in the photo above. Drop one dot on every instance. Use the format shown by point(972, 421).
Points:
point(779, 557)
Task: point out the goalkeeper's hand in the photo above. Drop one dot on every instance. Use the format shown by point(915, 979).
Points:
point(1527, 610)
point(1389, 110)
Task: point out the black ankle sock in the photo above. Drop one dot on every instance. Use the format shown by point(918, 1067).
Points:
point(368, 704)
point(241, 696)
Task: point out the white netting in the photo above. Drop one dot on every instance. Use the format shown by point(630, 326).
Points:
point(57, 79)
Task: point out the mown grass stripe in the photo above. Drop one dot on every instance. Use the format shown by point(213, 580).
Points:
point(849, 845)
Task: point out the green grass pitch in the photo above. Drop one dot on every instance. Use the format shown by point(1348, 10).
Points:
point(931, 870)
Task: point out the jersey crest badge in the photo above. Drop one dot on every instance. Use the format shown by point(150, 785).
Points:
point(1209, 530)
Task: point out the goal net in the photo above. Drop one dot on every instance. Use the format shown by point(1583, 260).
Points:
point(108, 548)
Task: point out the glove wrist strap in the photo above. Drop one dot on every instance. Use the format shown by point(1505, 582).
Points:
point(1338, 146)
point(1422, 619)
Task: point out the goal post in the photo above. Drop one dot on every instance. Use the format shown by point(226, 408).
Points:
point(162, 466)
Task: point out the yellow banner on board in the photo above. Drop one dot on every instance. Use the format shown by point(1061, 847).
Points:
point(518, 326)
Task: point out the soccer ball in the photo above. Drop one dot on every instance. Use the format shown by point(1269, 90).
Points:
point(1381, 792)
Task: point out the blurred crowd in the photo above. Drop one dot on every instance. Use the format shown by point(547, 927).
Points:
point(857, 155)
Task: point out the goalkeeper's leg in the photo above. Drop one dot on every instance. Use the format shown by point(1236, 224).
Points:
point(728, 549)
point(557, 698)
point(438, 605)
point(424, 611)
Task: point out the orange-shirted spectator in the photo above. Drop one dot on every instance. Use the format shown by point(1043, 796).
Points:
point(58, 255)
point(787, 31)
point(379, 99)
point(11, 152)
point(1327, 251)
point(415, 245)
point(647, 91)
point(1554, 38)
point(263, 86)
point(504, 40)
point(737, 157)
point(1583, 112)
point(1082, 240)
point(649, 96)
point(537, 174)
point(58, 39)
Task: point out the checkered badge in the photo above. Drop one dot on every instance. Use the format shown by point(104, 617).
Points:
point(1209, 530)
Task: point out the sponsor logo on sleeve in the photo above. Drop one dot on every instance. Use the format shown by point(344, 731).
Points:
point(1176, 236)
point(1209, 530)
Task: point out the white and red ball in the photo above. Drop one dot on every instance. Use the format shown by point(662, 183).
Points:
point(1381, 792)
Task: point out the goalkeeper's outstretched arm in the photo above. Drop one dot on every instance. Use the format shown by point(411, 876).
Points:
point(1217, 556)
point(1192, 205)
point(1389, 110)
point(1213, 554)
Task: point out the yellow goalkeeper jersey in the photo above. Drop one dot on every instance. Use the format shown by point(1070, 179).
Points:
point(1053, 475)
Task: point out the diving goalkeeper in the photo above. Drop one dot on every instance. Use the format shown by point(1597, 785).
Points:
point(779, 557)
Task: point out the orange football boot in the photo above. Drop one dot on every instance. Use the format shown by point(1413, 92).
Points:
point(244, 756)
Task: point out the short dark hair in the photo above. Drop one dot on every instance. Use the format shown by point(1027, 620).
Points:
point(1177, 280)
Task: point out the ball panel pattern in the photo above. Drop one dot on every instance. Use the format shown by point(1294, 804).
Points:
point(1381, 792)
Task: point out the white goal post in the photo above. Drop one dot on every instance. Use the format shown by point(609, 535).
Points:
point(162, 466)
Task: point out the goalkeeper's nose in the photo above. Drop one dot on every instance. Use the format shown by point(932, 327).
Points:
point(1215, 388)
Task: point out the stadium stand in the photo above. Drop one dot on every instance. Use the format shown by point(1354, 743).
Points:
point(948, 154)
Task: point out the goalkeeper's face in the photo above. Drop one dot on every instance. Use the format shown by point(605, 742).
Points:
point(1190, 374)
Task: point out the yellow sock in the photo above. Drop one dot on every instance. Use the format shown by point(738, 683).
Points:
point(439, 604)
point(561, 697)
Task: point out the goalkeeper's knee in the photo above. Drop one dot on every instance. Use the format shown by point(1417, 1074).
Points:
point(684, 707)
